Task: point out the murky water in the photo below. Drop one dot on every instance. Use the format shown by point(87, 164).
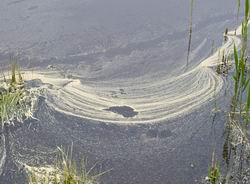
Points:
point(109, 39)
point(127, 57)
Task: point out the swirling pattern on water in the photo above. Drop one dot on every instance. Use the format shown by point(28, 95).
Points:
point(154, 100)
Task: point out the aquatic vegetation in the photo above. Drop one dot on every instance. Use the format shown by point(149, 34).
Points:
point(66, 172)
point(16, 77)
point(16, 102)
point(224, 66)
point(237, 135)
point(10, 106)
point(235, 148)
point(241, 77)
point(214, 171)
point(238, 8)
point(190, 29)
point(13, 74)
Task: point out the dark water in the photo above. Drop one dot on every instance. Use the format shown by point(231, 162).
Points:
point(160, 153)
point(125, 111)
point(102, 40)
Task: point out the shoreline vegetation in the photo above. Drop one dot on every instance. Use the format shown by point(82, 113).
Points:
point(64, 171)
point(236, 148)
point(18, 101)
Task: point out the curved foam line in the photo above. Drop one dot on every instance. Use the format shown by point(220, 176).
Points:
point(3, 158)
point(155, 101)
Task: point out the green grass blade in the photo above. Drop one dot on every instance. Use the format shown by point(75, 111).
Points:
point(246, 84)
point(236, 58)
point(248, 99)
point(243, 74)
point(246, 10)
point(238, 9)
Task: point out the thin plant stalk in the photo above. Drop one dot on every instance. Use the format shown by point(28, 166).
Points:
point(190, 30)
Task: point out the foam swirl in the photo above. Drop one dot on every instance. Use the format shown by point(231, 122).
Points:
point(154, 100)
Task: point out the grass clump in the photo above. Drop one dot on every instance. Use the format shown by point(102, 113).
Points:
point(16, 77)
point(242, 76)
point(66, 171)
point(11, 106)
point(214, 174)
point(16, 100)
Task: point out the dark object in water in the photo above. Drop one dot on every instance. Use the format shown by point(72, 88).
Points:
point(125, 111)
